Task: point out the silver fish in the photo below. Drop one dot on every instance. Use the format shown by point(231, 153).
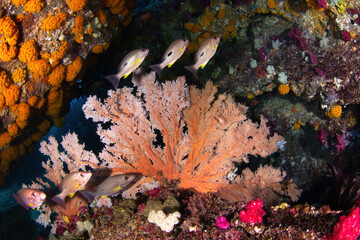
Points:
point(29, 198)
point(131, 62)
point(205, 52)
point(112, 185)
point(171, 55)
point(72, 183)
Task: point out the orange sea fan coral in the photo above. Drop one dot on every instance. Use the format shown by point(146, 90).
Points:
point(18, 75)
point(57, 75)
point(76, 5)
point(39, 68)
point(21, 110)
point(73, 69)
point(200, 156)
point(28, 51)
point(53, 22)
point(5, 81)
point(11, 94)
point(33, 5)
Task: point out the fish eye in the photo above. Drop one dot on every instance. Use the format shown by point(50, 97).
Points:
point(82, 175)
point(169, 54)
point(202, 54)
point(33, 195)
point(126, 178)
point(125, 64)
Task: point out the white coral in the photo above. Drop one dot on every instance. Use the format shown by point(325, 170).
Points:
point(166, 223)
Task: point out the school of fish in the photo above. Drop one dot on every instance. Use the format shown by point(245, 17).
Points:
point(76, 182)
point(175, 50)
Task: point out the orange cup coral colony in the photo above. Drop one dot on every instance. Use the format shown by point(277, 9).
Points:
point(35, 68)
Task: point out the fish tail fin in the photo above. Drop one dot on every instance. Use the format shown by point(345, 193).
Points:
point(58, 199)
point(20, 202)
point(88, 195)
point(193, 70)
point(157, 68)
point(114, 80)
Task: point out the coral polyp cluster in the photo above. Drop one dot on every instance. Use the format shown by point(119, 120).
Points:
point(43, 45)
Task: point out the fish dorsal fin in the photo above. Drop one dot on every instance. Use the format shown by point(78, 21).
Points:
point(169, 65)
point(71, 195)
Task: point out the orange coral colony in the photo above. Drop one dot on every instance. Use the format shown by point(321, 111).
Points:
point(53, 22)
point(52, 47)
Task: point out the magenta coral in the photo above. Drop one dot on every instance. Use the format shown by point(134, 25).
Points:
point(222, 223)
point(321, 3)
point(347, 228)
point(345, 35)
point(295, 34)
point(253, 212)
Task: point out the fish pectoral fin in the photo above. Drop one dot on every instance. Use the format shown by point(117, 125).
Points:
point(115, 189)
point(102, 196)
point(202, 66)
point(170, 64)
point(31, 204)
point(71, 195)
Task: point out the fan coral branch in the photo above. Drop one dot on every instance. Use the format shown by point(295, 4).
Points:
point(200, 134)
